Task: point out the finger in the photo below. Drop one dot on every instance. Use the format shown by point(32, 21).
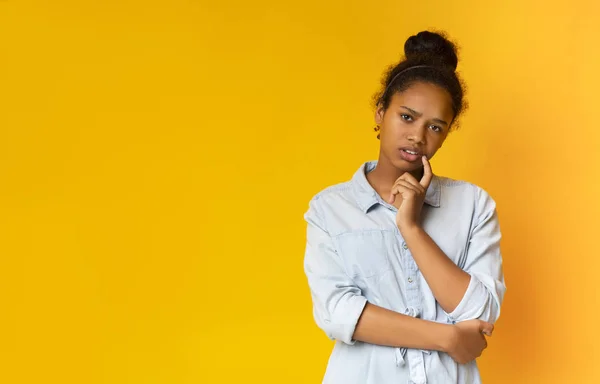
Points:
point(392, 198)
point(406, 184)
point(411, 179)
point(404, 189)
point(487, 328)
point(393, 194)
point(427, 173)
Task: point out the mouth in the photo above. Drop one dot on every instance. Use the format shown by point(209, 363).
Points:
point(411, 151)
point(410, 154)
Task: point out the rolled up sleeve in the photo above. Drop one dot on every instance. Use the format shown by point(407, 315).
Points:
point(483, 262)
point(337, 301)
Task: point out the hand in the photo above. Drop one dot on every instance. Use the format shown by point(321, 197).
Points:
point(412, 195)
point(467, 340)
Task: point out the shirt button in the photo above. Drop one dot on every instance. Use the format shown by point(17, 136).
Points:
point(404, 246)
point(410, 280)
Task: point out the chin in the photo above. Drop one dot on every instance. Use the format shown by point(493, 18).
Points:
point(405, 166)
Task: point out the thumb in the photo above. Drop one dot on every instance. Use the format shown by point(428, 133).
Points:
point(487, 328)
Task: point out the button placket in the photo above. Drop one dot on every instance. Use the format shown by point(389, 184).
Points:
point(410, 278)
point(411, 270)
point(415, 357)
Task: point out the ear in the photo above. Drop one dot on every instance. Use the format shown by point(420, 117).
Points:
point(379, 112)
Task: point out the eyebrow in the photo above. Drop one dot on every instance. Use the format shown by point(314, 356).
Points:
point(419, 114)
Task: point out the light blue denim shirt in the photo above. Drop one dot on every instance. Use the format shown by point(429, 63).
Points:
point(355, 254)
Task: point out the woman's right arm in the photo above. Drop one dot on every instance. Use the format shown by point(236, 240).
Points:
point(378, 325)
point(463, 341)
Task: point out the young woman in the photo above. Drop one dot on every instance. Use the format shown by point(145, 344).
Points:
point(404, 266)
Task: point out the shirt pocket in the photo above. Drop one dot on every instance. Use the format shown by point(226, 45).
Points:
point(366, 253)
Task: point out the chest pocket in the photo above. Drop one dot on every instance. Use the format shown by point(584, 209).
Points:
point(366, 253)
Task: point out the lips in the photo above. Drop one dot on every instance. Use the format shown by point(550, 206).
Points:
point(410, 154)
point(412, 151)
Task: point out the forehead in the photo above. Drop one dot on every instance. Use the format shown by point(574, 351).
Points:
point(425, 98)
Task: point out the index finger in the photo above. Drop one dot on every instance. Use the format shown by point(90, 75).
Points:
point(427, 173)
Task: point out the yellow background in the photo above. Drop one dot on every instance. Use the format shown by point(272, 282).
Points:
point(156, 158)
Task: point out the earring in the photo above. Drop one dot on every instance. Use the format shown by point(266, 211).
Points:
point(377, 129)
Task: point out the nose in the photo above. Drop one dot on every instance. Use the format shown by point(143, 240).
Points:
point(417, 134)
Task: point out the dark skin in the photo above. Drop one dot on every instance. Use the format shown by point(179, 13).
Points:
point(418, 120)
point(418, 117)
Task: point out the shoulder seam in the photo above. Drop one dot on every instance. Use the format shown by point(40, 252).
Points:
point(340, 187)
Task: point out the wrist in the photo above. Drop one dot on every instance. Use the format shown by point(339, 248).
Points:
point(447, 337)
point(410, 230)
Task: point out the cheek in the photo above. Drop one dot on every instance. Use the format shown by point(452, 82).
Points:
point(436, 143)
point(396, 126)
point(394, 134)
point(390, 127)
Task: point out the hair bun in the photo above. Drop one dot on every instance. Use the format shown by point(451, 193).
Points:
point(431, 48)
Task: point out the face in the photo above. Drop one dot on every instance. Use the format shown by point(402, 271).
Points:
point(416, 123)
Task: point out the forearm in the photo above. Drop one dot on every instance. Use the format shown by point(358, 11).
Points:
point(445, 279)
point(382, 326)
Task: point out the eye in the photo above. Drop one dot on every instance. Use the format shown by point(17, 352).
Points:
point(406, 117)
point(435, 128)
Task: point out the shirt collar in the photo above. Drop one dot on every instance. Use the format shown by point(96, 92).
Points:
point(366, 196)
